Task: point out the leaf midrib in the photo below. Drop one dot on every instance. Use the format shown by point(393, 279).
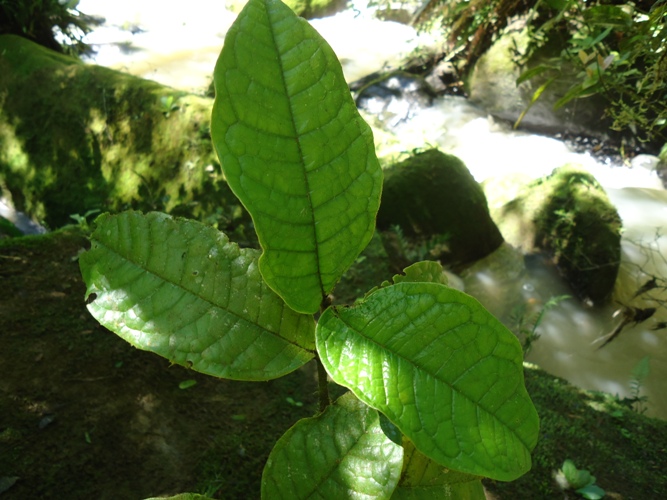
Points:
point(428, 372)
point(298, 144)
point(204, 299)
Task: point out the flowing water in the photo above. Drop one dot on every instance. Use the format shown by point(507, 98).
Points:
point(180, 48)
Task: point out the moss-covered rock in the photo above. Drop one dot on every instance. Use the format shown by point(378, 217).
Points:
point(569, 215)
point(433, 194)
point(492, 85)
point(76, 137)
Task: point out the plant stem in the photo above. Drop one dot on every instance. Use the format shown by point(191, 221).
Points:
point(323, 385)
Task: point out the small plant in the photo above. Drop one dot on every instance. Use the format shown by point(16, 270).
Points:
point(82, 220)
point(580, 481)
point(639, 374)
point(527, 325)
point(615, 51)
point(168, 105)
point(437, 397)
point(403, 251)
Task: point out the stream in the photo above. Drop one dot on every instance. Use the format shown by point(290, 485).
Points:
point(179, 48)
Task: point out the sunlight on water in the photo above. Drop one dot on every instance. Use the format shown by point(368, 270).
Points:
point(179, 46)
point(161, 41)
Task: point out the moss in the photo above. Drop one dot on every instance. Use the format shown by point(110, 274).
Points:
point(621, 448)
point(432, 193)
point(582, 228)
point(53, 240)
point(76, 137)
point(569, 215)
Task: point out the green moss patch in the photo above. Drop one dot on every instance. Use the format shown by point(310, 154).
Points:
point(76, 137)
point(432, 194)
point(569, 215)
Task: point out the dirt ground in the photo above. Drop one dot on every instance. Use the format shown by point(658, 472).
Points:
point(85, 415)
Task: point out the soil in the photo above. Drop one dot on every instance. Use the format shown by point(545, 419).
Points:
point(85, 415)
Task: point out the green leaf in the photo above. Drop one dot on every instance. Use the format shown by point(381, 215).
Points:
point(182, 290)
point(642, 369)
point(420, 272)
point(591, 492)
point(424, 479)
point(532, 72)
point(574, 92)
point(441, 368)
point(426, 271)
point(186, 384)
point(536, 95)
point(295, 151)
point(576, 478)
point(341, 453)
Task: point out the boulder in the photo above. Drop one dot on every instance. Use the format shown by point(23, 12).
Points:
point(569, 215)
point(435, 202)
point(76, 137)
point(492, 85)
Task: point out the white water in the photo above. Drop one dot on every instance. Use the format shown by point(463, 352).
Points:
point(179, 48)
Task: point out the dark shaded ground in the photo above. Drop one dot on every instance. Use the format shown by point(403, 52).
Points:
point(83, 415)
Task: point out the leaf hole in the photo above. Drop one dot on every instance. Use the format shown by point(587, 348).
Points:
point(91, 298)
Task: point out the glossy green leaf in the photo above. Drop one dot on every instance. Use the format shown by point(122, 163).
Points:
point(341, 453)
point(591, 492)
point(425, 271)
point(295, 151)
point(576, 478)
point(424, 479)
point(182, 290)
point(441, 368)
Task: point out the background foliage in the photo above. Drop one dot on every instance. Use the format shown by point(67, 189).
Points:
point(40, 20)
point(616, 49)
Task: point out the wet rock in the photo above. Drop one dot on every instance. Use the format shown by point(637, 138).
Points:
point(437, 206)
point(394, 97)
point(445, 79)
point(568, 215)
